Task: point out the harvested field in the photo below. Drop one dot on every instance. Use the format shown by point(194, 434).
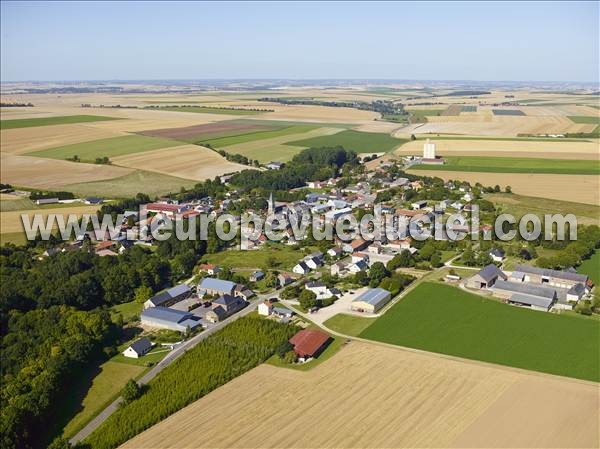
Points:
point(321, 114)
point(211, 110)
point(574, 188)
point(208, 131)
point(150, 183)
point(10, 222)
point(452, 110)
point(25, 140)
point(51, 173)
point(115, 146)
point(415, 400)
point(556, 149)
point(185, 161)
point(274, 149)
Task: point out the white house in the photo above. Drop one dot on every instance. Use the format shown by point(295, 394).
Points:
point(301, 268)
point(497, 254)
point(357, 257)
point(418, 205)
point(138, 348)
point(265, 308)
point(319, 289)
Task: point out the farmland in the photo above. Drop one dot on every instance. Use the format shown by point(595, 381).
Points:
point(361, 142)
point(211, 110)
point(47, 121)
point(184, 161)
point(414, 400)
point(568, 188)
point(262, 135)
point(591, 267)
point(447, 320)
point(199, 133)
point(515, 165)
point(116, 146)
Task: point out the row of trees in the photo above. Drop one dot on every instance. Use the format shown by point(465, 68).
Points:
point(237, 348)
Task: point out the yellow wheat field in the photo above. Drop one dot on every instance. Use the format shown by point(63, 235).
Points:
point(371, 396)
point(10, 222)
point(507, 148)
point(185, 161)
point(575, 188)
point(43, 173)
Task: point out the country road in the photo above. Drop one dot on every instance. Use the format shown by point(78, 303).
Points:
point(170, 358)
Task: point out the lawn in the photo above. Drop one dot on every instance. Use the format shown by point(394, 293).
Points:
point(129, 310)
point(281, 257)
point(111, 147)
point(515, 165)
point(150, 183)
point(448, 320)
point(210, 110)
point(361, 142)
point(47, 121)
point(334, 346)
point(591, 267)
point(348, 324)
point(261, 135)
point(105, 387)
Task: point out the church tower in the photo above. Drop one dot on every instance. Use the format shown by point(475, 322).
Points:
point(271, 205)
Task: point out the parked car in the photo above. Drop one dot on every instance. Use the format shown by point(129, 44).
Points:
point(207, 304)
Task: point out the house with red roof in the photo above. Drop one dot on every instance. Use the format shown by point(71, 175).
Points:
point(309, 343)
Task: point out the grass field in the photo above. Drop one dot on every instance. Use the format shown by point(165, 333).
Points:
point(584, 119)
point(360, 142)
point(209, 110)
point(261, 135)
point(47, 121)
point(519, 205)
point(591, 267)
point(348, 324)
point(283, 257)
point(105, 387)
point(127, 186)
point(447, 320)
point(115, 146)
point(128, 310)
point(515, 165)
point(371, 396)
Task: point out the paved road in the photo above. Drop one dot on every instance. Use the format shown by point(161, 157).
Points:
point(170, 358)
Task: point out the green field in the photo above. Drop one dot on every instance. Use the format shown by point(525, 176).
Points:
point(284, 258)
point(348, 324)
point(514, 165)
point(47, 121)
point(128, 310)
point(150, 183)
point(105, 388)
point(591, 267)
point(583, 119)
point(422, 114)
point(111, 147)
point(444, 319)
point(209, 110)
point(261, 135)
point(360, 142)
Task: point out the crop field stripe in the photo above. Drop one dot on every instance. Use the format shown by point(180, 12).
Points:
point(583, 119)
point(514, 139)
point(361, 142)
point(208, 110)
point(515, 165)
point(111, 147)
point(249, 137)
point(47, 121)
point(447, 320)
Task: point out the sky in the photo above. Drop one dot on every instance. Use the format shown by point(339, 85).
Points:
point(537, 41)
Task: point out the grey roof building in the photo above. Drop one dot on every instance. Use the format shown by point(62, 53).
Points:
point(138, 348)
point(169, 296)
point(216, 286)
point(569, 275)
point(533, 302)
point(165, 318)
point(372, 300)
point(540, 291)
point(486, 277)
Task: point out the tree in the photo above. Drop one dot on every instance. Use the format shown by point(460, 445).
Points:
point(290, 357)
point(412, 137)
point(131, 391)
point(307, 299)
point(436, 260)
point(402, 260)
point(377, 273)
point(142, 294)
point(508, 189)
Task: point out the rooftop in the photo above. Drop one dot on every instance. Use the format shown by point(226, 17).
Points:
point(373, 296)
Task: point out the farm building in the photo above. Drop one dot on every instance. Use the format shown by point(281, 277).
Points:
point(224, 307)
point(517, 292)
point(164, 318)
point(138, 348)
point(371, 301)
point(169, 296)
point(486, 277)
point(546, 276)
point(166, 209)
point(533, 302)
point(211, 286)
point(309, 343)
